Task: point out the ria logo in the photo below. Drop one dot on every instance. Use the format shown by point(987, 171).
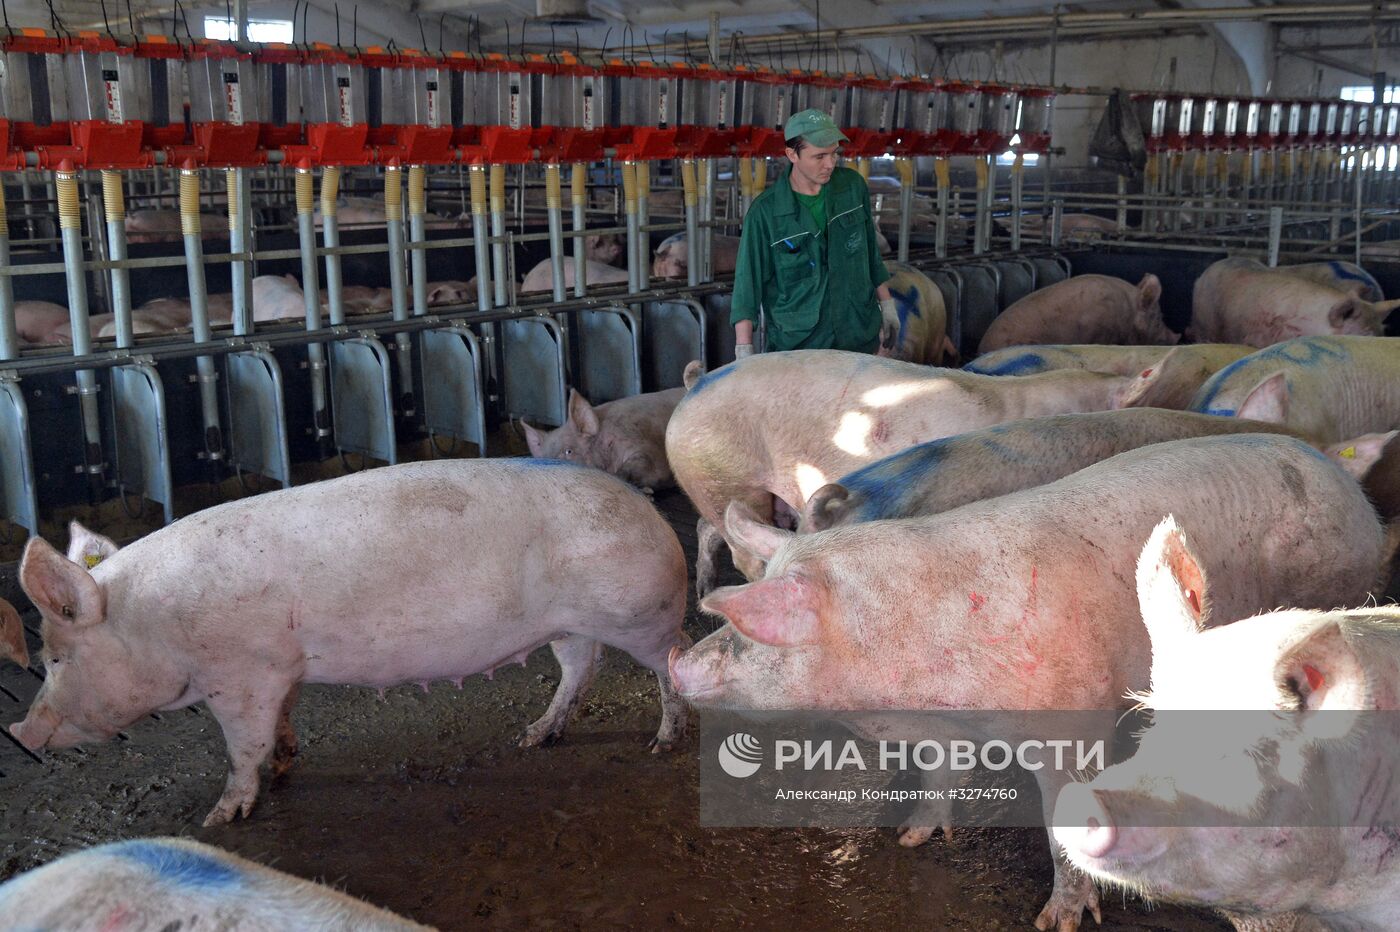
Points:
point(740, 755)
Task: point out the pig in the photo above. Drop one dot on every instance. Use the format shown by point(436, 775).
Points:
point(352, 212)
point(1084, 309)
point(37, 321)
point(1119, 360)
point(1241, 300)
point(12, 645)
point(775, 427)
point(163, 226)
point(626, 437)
point(278, 297)
point(672, 261)
point(918, 329)
point(142, 324)
point(1329, 388)
point(1072, 226)
point(541, 277)
point(1344, 276)
point(1175, 381)
point(1222, 827)
point(358, 580)
point(358, 300)
point(164, 883)
point(452, 291)
point(604, 248)
point(942, 474)
point(1026, 601)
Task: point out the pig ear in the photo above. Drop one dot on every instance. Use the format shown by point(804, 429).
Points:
point(744, 528)
point(826, 507)
point(693, 370)
point(782, 612)
point(86, 548)
point(582, 414)
point(12, 635)
point(1359, 455)
point(1146, 386)
point(534, 439)
point(1345, 310)
point(1149, 292)
point(62, 589)
point(1171, 586)
point(1268, 401)
point(1323, 671)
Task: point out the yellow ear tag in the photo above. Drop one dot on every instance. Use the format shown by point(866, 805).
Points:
point(1348, 454)
point(92, 559)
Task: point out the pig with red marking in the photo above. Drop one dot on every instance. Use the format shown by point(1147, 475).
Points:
point(1059, 626)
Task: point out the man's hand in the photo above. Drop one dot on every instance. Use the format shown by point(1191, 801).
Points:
point(742, 350)
point(889, 324)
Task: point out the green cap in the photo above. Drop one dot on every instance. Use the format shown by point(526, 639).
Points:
point(815, 126)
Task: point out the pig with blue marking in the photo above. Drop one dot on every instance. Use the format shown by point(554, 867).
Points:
point(1241, 300)
point(179, 885)
point(405, 574)
point(771, 429)
point(1027, 601)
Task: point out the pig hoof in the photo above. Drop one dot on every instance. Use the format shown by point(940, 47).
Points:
point(229, 809)
point(911, 836)
point(1064, 912)
point(539, 737)
point(660, 745)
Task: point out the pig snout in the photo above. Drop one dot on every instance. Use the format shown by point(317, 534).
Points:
point(1083, 824)
point(701, 673)
point(37, 729)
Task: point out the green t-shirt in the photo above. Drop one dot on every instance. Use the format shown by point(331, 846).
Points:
point(816, 206)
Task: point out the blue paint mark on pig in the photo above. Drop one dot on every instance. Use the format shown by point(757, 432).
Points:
point(178, 865)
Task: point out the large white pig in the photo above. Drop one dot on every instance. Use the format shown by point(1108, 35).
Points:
point(39, 322)
point(672, 261)
point(1241, 300)
point(1084, 309)
point(1026, 601)
point(178, 883)
point(1093, 357)
point(12, 645)
point(771, 429)
point(1329, 388)
point(1344, 276)
point(1284, 818)
point(541, 277)
point(362, 580)
point(163, 226)
point(278, 297)
point(917, 331)
point(626, 437)
point(943, 474)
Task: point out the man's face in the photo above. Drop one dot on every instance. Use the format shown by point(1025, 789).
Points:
point(813, 164)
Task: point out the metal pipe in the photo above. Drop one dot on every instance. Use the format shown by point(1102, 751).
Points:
point(70, 222)
point(239, 240)
point(1017, 168)
point(418, 234)
point(905, 167)
point(940, 242)
point(114, 210)
point(705, 176)
point(643, 176)
point(311, 294)
point(477, 175)
point(9, 335)
point(554, 208)
point(744, 167)
point(398, 288)
point(499, 272)
point(578, 195)
point(206, 375)
point(982, 217)
point(629, 195)
point(692, 230)
point(1275, 234)
point(330, 235)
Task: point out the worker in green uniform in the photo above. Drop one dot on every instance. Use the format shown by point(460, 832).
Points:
point(809, 256)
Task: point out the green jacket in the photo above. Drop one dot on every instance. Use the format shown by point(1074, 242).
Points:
point(817, 287)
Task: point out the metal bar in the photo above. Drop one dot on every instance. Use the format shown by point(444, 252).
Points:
point(311, 293)
point(9, 336)
point(71, 227)
point(418, 234)
point(398, 290)
point(205, 375)
point(578, 193)
point(240, 236)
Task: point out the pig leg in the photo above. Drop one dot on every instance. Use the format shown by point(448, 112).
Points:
point(673, 707)
point(930, 814)
point(286, 748)
point(1074, 891)
point(708, 541)
point(578, 663)
point(249, 719)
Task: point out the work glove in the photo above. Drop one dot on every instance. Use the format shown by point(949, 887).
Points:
point(743, 350)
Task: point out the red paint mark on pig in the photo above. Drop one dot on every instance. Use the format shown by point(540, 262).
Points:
point(977, 601)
